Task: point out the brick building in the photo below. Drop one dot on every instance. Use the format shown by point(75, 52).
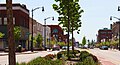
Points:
point(104, 35)
point(115, 30)
point(38, 28)
point(57, 33)
point(20, 18)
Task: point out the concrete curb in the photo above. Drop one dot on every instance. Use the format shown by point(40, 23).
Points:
point(18, 53)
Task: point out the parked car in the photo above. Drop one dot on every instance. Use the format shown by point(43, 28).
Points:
point(6, 49)
point(104, 47)
point(64, 47)
point(56, 47)
point(70, 47)
point(91, 47)
point(47, 47)
point(83, 47)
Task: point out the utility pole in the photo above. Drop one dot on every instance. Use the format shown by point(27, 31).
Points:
point(32, 26)
point(45, 29)
point(10, 33)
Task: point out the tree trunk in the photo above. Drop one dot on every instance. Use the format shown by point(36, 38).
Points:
point(10, 33)
point(72, 39)
point(68, 32)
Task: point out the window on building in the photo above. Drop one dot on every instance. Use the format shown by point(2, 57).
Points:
point(13, 20)
point(0, 21)
point(5, 21)
point(55, 31)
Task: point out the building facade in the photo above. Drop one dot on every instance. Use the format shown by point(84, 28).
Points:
point(57, 33)
point(115, 30)
point(38, 28)
point(104, 35)
point(20, 18)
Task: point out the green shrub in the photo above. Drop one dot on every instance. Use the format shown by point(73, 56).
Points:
point(57, 62)
point(71, 54)
point(38, 61)
point(43, 61)
point(62, 53)
point(87, 61)
point(17, 63)
point(94, 58)
point(59, 55)
point(75, 51)
point(83, 55)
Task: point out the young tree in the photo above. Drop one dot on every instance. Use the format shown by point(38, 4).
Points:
point(39, 40)
point(1, 35)
point(17, 33)
point(69, 11)
point(83, 41)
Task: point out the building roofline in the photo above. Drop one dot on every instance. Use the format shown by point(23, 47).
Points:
point(15, 5)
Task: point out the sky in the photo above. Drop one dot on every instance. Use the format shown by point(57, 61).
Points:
point(96, 14)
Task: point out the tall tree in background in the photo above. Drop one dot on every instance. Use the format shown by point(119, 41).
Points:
point(84, 41)
point(64, 8)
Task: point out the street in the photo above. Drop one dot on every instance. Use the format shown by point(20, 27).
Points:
point(26, 57)
point(107, 57)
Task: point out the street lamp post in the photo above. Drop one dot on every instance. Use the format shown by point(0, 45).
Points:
point(119, 29)
point(45, 29)
point(32, 26)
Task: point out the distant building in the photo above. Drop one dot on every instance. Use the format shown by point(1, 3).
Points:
point(38, 28)
point(20, 18)
point(115, 30)
point(48, 34)
point(57, 33)
point(104, 34)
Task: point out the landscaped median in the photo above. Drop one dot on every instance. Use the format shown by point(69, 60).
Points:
point(77, 58)
point(47, 60)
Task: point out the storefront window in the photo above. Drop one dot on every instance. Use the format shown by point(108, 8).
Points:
point(5, 21)
point(0, 21)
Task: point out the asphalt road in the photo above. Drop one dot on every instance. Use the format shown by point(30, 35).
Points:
point(107, 56)
point(26, 57)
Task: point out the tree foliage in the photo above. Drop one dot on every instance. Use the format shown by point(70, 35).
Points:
point(74, 14)
point(39, 40)
point(1, 35)
point(83, 41)
point(69, 16)
point(17, 32)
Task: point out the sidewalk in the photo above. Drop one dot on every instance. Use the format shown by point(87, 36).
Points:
point(17, 53)
point(114, 50)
